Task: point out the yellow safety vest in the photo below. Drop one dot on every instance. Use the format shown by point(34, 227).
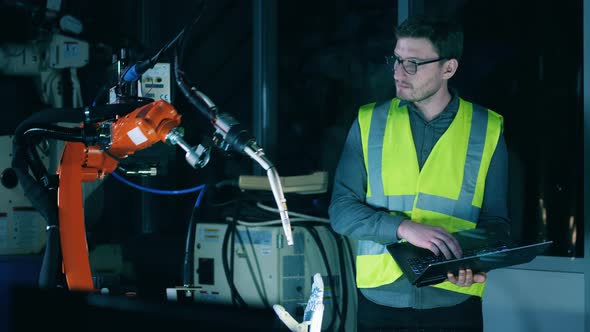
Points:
point(447, 192)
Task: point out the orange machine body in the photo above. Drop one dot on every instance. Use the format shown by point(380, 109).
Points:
point(138, 130)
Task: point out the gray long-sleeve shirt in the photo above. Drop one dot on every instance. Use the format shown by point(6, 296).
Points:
point(350, 216)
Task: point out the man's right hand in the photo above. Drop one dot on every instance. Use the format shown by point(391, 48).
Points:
point(436, 239)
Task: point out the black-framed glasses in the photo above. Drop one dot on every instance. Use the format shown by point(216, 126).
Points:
point(410, 66)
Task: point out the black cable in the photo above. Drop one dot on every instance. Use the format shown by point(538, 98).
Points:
point(336, 312)
point(189, 93)
point(235, 295)
point(44, 201)
point(189, 262)
point(51, 116)
point(181, 81)
point(339, 239)
point(133, 73)
point(103, 89)
point(343, 244)
point(50, 266)
point(227, 183)
point(35, 164)
point(224, 263)
point(181, 35)
point(232, 229)
point(54, 132)
point(119, 160)
point(220, 204)
point(30, 137)
point(187, 276)
point(41, 125)
point(181, 46)
point(48, 117)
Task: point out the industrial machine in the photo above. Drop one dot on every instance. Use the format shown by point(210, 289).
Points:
point(251, 266)
point(97, 138)
point(234, 261)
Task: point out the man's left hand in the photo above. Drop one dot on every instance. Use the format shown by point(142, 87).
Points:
point(466, 278)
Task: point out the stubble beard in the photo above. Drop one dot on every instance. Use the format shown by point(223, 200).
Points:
point(415, 95)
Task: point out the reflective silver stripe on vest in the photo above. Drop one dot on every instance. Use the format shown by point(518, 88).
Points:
point(401, 203)
point(375, 153)
point(366, 247)
point(375, 156)
point(463, 208)
point(448, 206)
point(375, 159)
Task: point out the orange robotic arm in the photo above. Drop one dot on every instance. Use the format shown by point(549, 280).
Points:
point(136, 131)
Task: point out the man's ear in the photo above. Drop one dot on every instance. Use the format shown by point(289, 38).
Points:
point(450, 68)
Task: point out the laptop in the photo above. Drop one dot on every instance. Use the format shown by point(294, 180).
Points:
point(482, 251)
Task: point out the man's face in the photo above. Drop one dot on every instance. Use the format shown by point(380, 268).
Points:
point(427, 80)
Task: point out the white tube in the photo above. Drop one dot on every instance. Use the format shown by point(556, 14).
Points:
point(276, 187)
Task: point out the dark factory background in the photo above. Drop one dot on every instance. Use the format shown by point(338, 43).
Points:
point(522, 59)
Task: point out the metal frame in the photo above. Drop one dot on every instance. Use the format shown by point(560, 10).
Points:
point(586, 103)
point(264, 77)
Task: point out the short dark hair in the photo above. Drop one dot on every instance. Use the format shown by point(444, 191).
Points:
point(446, 35)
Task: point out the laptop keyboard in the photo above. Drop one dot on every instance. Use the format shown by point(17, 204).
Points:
point(419, 264)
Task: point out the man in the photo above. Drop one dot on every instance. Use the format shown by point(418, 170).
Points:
point(418, 168)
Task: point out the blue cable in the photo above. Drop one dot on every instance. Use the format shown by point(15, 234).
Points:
point(163, 192)
point(198, 201)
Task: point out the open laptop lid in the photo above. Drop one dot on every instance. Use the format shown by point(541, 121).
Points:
point(478, 260)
